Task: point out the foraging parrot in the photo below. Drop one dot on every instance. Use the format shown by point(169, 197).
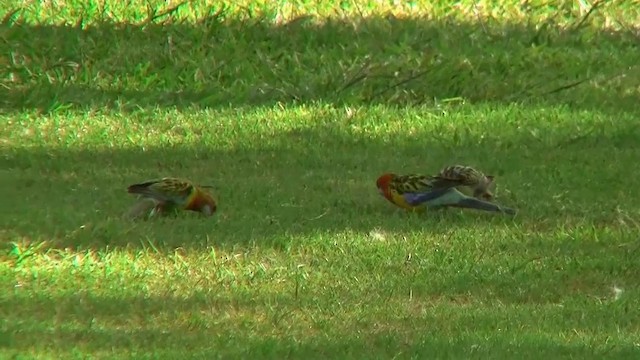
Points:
point(172, 194)
point(460, 175)
point(417, 192)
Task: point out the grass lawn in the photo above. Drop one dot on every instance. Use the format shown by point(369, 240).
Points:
point(291, 110)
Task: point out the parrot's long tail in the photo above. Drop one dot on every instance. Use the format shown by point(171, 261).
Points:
point(454, 198)
point(471, 203)
point(142, 188)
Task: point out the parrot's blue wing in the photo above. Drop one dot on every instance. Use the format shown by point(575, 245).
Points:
point(415, 199)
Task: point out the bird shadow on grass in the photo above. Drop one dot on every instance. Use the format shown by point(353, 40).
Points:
point(221, 61)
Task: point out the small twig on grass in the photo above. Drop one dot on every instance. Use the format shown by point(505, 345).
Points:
point(399, 83)
point(296, 22)
point(152, 245)
point(586, 16)
point(450, 233)
point(353, 81)
point(481, 20)
point(631, 247)
point(521, 266)
point(362, 74)
point(576, 138)
point(319, 216)
point(631, 30)
point(475, 263)
point(565, 87)
point(152, 15)
point(526, 93)
point(579, 82)
point(9, 16)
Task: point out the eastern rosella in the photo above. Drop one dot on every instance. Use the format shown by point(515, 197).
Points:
point(460, 175)
point(170, 194)
point(417, 192)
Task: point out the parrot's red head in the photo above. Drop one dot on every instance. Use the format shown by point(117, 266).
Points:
point(383, 184)
point(202, 202)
